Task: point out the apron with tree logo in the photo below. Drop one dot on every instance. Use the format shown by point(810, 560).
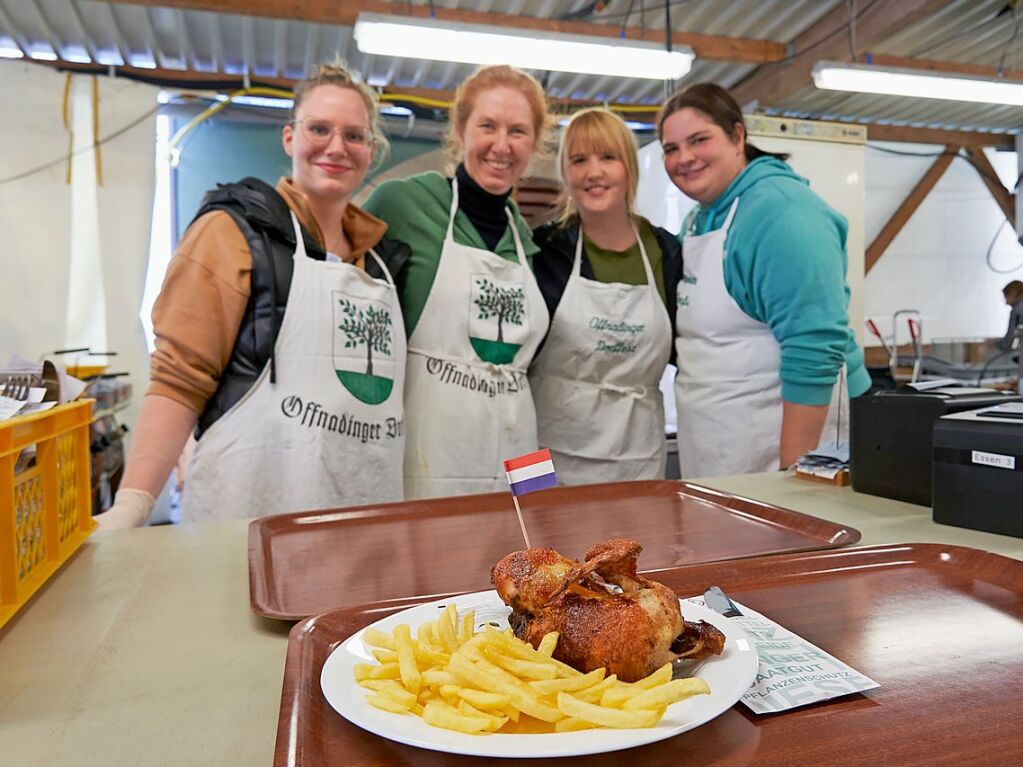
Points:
point(468, 401)
point(330, 432)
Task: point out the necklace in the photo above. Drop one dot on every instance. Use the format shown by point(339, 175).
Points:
point(334, 248)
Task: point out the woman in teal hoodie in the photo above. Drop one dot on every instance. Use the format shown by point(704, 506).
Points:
point(762, 323)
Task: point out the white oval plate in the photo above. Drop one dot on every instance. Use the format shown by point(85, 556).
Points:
point(729, 675)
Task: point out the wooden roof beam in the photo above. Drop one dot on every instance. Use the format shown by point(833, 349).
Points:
point(217, 81)
point(914, 135)
point(716, 47)
point(1006, 200)
point(828, 40)
point(908, 207)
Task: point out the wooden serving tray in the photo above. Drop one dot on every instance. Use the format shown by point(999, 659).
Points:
point(305, 563)
point(938, 627)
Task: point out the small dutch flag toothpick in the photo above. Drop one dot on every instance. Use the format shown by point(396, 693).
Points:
point(533, 471)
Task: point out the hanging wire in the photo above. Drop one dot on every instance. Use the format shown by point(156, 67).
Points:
point(177, 139)
point(851, 7)
point(1008, 43)
point(63, 158)
point(990, 250)
point(669, 85)
point(982, 172)
point(66, 117)
point(592, 11)
point(625, 20)
point(966, 157)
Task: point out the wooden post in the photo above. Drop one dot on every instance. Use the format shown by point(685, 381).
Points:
point(1005, 198)
point(923, 187)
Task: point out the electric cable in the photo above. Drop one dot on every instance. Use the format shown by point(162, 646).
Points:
point(966, 157)
point(1008, 43)
point(990, 249)
point(987, 365)
point(89, 148)
point(625, 21)
point(980, 170)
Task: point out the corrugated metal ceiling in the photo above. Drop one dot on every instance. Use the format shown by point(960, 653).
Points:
point(111, 34)
point(980, 32)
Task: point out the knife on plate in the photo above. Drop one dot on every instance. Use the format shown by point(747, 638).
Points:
point(719, 602)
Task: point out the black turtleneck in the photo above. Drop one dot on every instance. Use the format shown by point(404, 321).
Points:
point(484, 210)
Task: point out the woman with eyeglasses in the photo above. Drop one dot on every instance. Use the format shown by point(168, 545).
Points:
point(279, 335)
point(473, 312)
point(609, 278)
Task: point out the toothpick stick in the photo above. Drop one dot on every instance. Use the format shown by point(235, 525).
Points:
point(522, 524)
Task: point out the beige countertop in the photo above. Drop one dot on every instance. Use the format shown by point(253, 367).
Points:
point(143, 651)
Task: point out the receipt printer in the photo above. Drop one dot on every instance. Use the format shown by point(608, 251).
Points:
point(891, 437)
point(978, 469)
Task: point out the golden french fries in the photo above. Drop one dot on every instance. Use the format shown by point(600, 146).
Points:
point(548, 643)
point(478, 682)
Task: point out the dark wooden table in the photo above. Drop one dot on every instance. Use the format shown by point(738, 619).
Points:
point(939, 627)
point(306, 563)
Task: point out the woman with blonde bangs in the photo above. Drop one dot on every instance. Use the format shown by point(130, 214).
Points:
point(473, 312)
point(609, 278)
point(279, 336)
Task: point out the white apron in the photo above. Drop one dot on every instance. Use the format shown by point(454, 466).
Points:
point(467, 398)
point(728, 388)
point(595, 382)
point(330, 432)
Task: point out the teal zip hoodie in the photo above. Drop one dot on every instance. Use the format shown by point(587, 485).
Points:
point(785, 266)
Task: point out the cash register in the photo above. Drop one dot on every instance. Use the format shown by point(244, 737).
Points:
point(978, 469)
point(891, 436)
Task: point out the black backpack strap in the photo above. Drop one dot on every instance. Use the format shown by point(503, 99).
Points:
point(263, 207)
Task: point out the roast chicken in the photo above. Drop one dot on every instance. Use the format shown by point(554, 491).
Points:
point(605, 613)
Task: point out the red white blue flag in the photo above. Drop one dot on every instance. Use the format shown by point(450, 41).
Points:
point(533, 471)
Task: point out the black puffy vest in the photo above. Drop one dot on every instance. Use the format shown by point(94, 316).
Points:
point(264, 218)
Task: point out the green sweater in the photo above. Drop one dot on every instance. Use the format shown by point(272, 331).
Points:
point(626, 266)
point(785, 265)
point(416, 210)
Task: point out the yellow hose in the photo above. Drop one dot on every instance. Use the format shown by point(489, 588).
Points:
point(211, 110)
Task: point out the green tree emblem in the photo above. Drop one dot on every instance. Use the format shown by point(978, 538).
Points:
point(370, 326)
point(506, 304)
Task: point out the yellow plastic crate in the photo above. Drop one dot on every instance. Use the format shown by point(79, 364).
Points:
point(46, 510)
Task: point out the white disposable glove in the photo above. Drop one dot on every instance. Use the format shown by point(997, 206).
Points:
point(131, 509)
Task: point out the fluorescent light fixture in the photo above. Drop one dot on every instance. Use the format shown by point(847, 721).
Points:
point(633, 125)
point(476, 44)
point(42, 54)
point(890, 81)
point(10, 51)
point(257, 101)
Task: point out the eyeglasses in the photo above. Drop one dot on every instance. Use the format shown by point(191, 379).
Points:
point(321, 132)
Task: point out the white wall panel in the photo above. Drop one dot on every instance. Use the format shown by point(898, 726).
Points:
point(937, 262)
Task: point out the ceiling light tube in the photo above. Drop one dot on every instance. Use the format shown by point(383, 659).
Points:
point(529, 49)
point(890, 81)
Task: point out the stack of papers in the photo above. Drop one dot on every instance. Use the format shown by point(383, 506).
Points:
point(68, 387)
point(826, 461)
point(10, 407)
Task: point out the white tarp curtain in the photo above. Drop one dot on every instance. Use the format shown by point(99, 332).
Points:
point(52, 230)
